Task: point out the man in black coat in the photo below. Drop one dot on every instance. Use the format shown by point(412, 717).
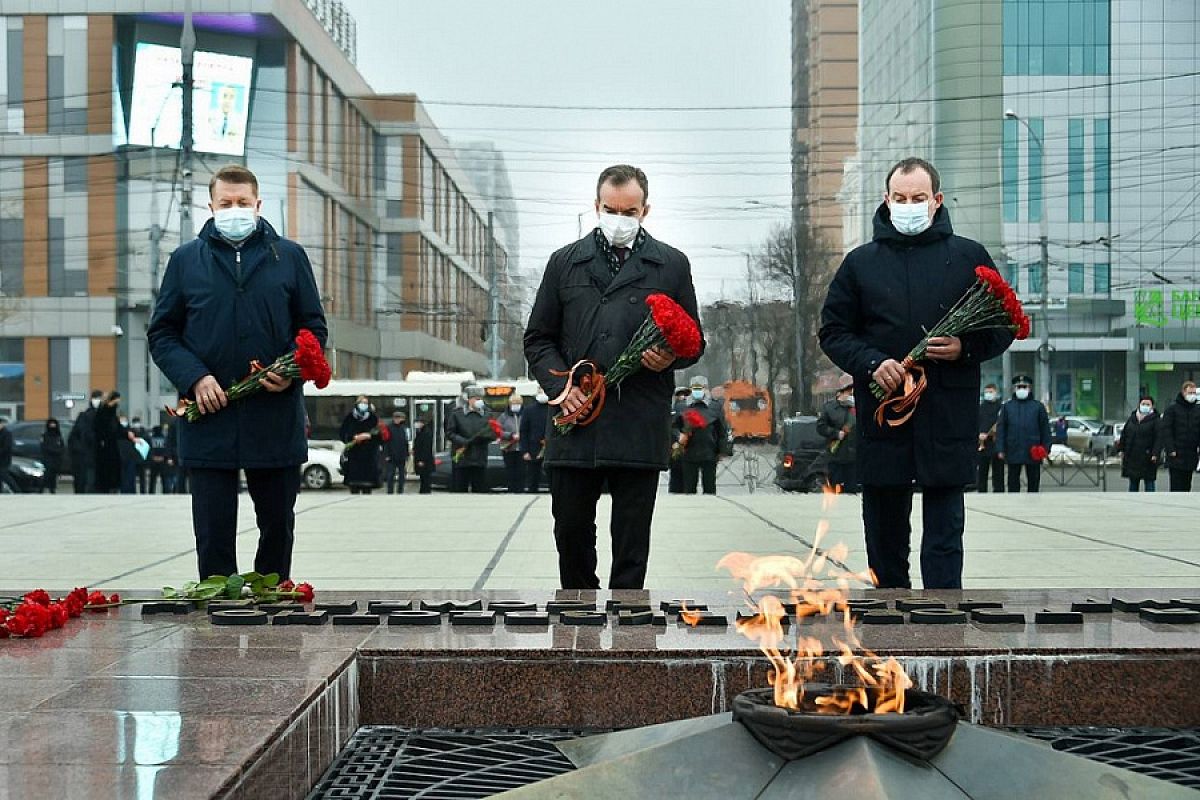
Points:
point(702, 446)
point(533, 440)
point(422, 453)
point(6, 448)
point(838, 423)
point(884, 296)
point(675, 473)
point(591, 302)
point(396, 451)
point(470, 435)
point(82, 446)
point(1179, 437)
point(1022, 425)
point(989, 462)
point(236, 293)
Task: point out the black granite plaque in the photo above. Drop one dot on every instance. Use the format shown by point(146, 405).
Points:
point(503, 607)
point(473, 618)
point(559, 606)
point(388, 606)
point(1177, 616)
point(1048, 617)
point(914, 603)
point(228, 605)
point(641, 618)
point(239, 616)
point(529, 619)
point(356, 619)
point(994, 616)
point(675, 606)
point(598, 618)
point(414, 618)
point(337, 608)
point(937, 616)
point(882, 618)
point(300, 618)
point(168, 607)
point(973, 605)
point(1092, 606)
point(275, 608)
point(705, 619)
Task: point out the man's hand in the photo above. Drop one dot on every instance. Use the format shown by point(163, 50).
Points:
point(209, 395)
point(889, 375)
point(528, 456)
point(575, 400)
point(1000, 456)
point(361, 437)
point(944, 348)
point(274, 383)
point(656, 359)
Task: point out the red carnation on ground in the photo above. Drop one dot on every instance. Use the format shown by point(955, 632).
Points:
point(306, 362)
point(39, 596)
point(306, 592)
point(58, 615)
point(1038, 453)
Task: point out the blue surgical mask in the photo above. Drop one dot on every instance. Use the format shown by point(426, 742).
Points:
point(1145, 408)
point(235, 224)
point(910, 218)
point(697, 394)
point(362, 408)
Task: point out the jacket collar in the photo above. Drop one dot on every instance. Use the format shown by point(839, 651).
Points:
point(634, 269)
point(256, 246)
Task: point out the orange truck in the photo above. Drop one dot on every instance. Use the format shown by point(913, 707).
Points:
point(749, 411)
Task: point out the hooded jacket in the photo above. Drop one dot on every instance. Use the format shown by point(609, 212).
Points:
point(884, 296)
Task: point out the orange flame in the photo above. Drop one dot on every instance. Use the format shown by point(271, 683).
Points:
point(815, 587)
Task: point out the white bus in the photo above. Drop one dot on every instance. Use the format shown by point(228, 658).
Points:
point(429, 396)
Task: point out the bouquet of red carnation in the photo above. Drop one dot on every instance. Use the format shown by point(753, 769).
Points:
point(493, 432)
point(989, 303)
point(306, 362)
point(1038, 453)
point(667, 326)
point(379, 434)
point(693, 421)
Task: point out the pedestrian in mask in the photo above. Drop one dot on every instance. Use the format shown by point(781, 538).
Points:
point(422, 453)
point(1022, 433)
point(1179, 437)
point(702, 445)
point(111, 440)
point(81, 445)
point(360, 433)
point(396, 452)
point(510, 441)
point(53, 448)
point(470, 438)
point(679, 404)
point(534, 418)
point(1138, 446)
point(989, 462)
point(882, 299)
point(838, 423)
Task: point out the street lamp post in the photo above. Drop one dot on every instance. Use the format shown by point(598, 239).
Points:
point(1044, 245)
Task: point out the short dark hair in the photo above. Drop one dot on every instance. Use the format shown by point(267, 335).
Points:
point(621, 174)
point(990, 386)
point(1146, 397)
point(233, 173)
point(907, 165)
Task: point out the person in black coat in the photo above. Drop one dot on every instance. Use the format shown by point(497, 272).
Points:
point(109, 436)
point(838, 423)
point(701, 447)
point(1179, 437)
point(81, 445)
point(1138, 446)
point(422, 453)
point(161, 461)
point(591, 301)
point(885, 295)
point(470, 435)
point(679, 404)
point(53, 449)
point(1022, 425)
point(238, 293)
point(989, 462)
point(396, 452)
point(360, 461)
point(6, 449)
point(533, 440)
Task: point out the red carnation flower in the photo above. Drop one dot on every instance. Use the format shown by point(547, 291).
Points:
point(287, 586)
point(497, 429)
point(694, 419)
point(1038, 453)
point(58, 615)
point(39, 596)
point(677, 326)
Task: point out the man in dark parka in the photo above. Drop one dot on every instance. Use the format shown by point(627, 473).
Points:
point(884, 296)
point(591, 302)
point(235, 293)
point(1179, 437)
point(1022, 425)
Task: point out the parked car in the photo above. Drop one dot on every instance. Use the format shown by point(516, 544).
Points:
point(497, 478)
point(1089, 435)
point(24, 476)
point(803, 461)
point(27, 440)
point(323, 464)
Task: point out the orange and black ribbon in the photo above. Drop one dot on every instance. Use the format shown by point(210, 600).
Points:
point(897, 409)
point(591, 383)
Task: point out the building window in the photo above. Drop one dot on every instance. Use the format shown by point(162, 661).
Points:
point(66, 74)
point(1035, 278)
point(12, 376)
point(1011, 274)
point(1036, 161)
point(1011, 158)
point(1103, 279)
point(1055, 37)
point(1075, 279)
point(1102, 173)
point(12, 74)
point(1075, 183)
point(12, 226)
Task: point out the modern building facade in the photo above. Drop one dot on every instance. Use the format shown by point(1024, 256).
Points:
point(1101, 147)
point(91, 179)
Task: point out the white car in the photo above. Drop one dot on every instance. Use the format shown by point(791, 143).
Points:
point(322, 465)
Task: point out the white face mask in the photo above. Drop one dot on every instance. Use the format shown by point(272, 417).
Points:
point(543, 398)
point(515, 408)
point(362, 407)
point(910, 218)
point(1191, 397)
point(235, 223)
point(989, 396)
point(1022, 394)
point(419, 425)
point(847, 401)
point(1145, 408)
point(618, 229)
point(95, 402)
point(479, 405)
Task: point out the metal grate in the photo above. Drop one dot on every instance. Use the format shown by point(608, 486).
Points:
point(388, 763)
point(1165, 753)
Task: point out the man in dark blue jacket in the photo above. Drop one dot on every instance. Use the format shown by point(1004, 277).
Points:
point(884, 297)
point(1022, 425)
point(238, 292)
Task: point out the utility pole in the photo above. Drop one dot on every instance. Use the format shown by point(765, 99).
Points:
point(798, 310)
point(187, 48)
point(752, 308)
point(493, 299)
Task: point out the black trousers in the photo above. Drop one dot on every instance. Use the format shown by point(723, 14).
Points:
point(675, 477)
point(703, 473)
point(214, 518)
point(395, 476)
point(533, 475)
point(574, 494)
point(49, 481)
point(473, 478)
point(994, 465)
point(426, 481)
point(514, 470)
point(887, 515)
point(1033, 477)
point(844, 475)
point(1181, 480)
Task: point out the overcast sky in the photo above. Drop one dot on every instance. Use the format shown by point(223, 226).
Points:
point(532, 57)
